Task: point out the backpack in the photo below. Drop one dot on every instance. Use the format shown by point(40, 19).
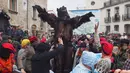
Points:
point(6, 66)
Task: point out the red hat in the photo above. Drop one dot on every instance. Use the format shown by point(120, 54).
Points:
point(103, 39)
point(33, 38)
point(107, 47)
point(9, 46)
point(43, 40)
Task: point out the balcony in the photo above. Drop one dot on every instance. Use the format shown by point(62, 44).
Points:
point(114, 2)
point(126, 17)
point(107, 20)
point(116, 18)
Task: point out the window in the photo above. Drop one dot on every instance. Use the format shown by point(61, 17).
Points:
point(34, 13)
point(127, 28)
point(116, 27)
point(117, 10)
point(108, 12)
point(117, 16)
point(92, 3)
point(108, 29)
point(13, 5)
point(128, 10)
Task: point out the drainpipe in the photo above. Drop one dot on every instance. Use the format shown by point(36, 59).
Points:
point(27, 13)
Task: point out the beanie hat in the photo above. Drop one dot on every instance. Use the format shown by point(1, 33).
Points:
point(33, 39)
point(9, 46)
point(42, 47)
point(43, 40)
point(103, 39)
point(25, 42)
point(90, 58)
point(107, 47)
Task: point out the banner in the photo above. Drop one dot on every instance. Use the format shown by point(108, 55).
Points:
point(86, 27)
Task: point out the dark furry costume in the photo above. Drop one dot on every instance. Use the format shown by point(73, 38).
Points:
point(63, 26)
point(4, 22)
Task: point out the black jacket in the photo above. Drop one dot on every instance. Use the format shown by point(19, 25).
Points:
point(41, 60)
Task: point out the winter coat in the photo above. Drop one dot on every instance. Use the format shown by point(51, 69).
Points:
point(41, 59)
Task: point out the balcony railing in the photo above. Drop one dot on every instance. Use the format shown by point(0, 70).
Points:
point(126, 17)
point(114, 2)
point(107, 20)
point(116, 18)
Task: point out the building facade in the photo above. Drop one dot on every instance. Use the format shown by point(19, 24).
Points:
point(94, 4)
point(115, 16)
point(23, 13)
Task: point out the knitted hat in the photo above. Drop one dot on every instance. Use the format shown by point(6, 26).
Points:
point(25, 42)
point(9, 46)
point(33, 39)
point(42, 47)
point(107, 47)
point(103, 39)
point(43, 40)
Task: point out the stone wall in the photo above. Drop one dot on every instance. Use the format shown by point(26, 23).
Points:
point(20, 17)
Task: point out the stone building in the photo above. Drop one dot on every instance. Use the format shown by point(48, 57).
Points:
point(116, 16)
point(23, 13)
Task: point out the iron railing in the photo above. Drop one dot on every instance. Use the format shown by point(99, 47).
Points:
point(126, 17)
point(107, 20)
point(116, 18)
point(114, 2)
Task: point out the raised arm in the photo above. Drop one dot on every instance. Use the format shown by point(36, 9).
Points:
point(96, 35)
point(79, 20)
point(59, 49)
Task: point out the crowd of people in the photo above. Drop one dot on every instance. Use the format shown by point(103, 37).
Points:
point(93, 53)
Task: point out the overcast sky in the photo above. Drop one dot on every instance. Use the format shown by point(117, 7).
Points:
point(70, 4)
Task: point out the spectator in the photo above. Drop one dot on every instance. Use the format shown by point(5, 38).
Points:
point(127, 62)
point(88, 61)
point(82, 47)
point(24, 56)
point(121, 57)
point(104, 65)
point(34, 41)
point(6, 58)
point(43, 40)
point(41, 60)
